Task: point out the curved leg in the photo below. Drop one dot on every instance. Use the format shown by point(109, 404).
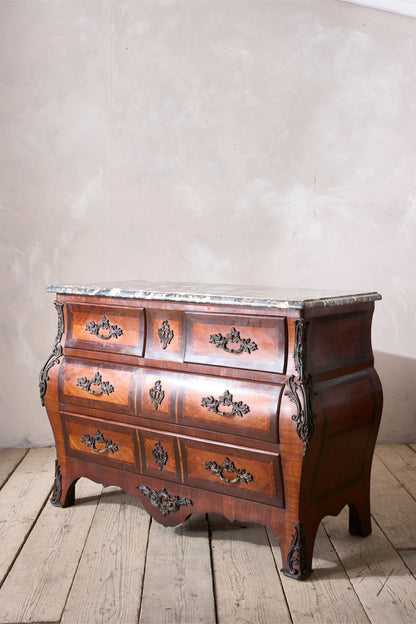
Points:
point(297, 548)
point(360, 518)
point(63, 492)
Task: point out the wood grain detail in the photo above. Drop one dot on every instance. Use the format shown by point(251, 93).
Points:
point(166, 409)
point(171, 469)
point(268, 333)
point(154, 348)
point(347, 412)
point(260, 422)
point(129, 320)
point(340, 340)
point(124, 437)
point(265, 469)
point(122, 378)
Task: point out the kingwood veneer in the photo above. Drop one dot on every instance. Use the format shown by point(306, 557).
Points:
point(259, 406)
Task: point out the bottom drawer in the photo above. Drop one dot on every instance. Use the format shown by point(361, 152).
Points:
point(100, 441)
point(244, 473)
point(252, 475)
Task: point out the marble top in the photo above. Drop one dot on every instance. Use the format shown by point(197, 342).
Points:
point(230, 294)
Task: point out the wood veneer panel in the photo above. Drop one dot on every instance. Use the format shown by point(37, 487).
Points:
point(166, 464)
point(118, 447)
point(204, 401)
point(156, 394)
point(123, 330)
point(172, 349)
point(116, 392)
point(264, 468)
point(268, 334)
point(339, 340)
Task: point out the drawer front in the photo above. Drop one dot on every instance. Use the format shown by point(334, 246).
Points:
point(159, 455)
point(252, 475)
point(100, 441)
point(98, 385)
point(248, 342)
point(165, 337)
point(156, 395)
point(228, 405)
point(99, 328)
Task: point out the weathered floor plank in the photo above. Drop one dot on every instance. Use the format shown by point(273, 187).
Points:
point(401, 461)
point(409, 557)
point(9, 459)
point(247, 584)
point(93, 556)
point(395, 512)
point(108, 584)
point(317, 600)
point(21, 499)
point(380, 578)
point(37, 586)
point(178, 583)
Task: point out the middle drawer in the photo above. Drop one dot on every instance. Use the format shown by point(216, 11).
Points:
point(243, 408)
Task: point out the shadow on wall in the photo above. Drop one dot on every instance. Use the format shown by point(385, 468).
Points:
point(398, 378)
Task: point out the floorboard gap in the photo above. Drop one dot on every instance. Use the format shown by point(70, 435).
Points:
point(144, 571)
point(346, 571)
point(15, 468)
point(278, 575)
point(212, 568)
point(80, 557)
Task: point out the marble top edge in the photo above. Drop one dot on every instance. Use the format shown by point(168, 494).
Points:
point(230, 294)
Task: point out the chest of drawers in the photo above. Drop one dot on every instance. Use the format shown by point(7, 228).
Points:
point(257, 405)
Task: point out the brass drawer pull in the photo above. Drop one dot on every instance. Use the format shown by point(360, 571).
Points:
point(228, 466)
point(165, 334)
point(85, 384)
point(238, 408)
point(221, 342)
point(160, 456)
point(164, 501)
point(156, 394)
point(99, 438)
point(94, 328)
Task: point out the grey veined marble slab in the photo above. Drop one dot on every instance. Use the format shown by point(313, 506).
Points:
point(231, 294)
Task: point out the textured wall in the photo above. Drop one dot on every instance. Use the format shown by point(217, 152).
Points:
point(242, 141)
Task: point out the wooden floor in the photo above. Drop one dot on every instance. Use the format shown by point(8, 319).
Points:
point(105, 561)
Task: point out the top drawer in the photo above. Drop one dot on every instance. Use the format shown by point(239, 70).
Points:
point(249, 342)
point(101, 328)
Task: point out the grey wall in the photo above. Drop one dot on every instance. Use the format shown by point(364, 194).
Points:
point(242, 141)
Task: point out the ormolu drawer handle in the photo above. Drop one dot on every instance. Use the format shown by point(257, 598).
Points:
point(238, 408)
point(160, 456)
point(156, 394)
point(85, 384)
point(165, 502)
point(94, 328)
point(165, 334)
point(221, 342)
point(228, 466)
point(98, 437)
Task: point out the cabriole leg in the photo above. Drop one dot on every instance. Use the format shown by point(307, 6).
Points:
point(296, 548)
point(360, 518)
point(63, 491)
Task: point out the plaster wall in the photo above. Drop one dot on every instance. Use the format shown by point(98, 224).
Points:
point(233, 141)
